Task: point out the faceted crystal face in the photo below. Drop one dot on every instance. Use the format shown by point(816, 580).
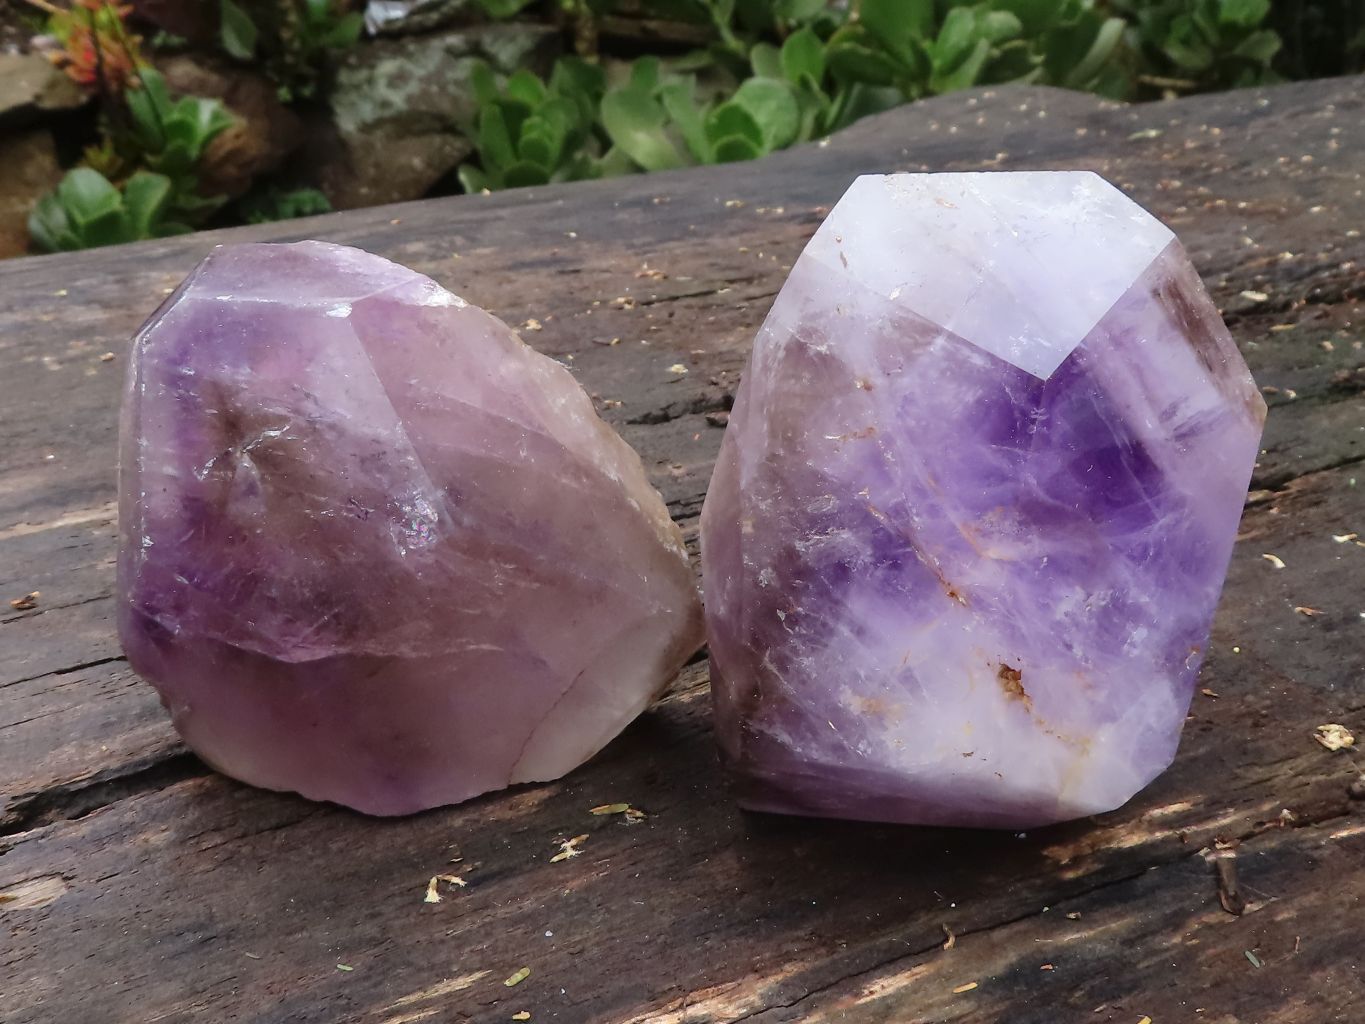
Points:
point(974, 507)
point(374, 548)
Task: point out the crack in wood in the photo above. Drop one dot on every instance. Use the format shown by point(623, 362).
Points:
point(72, 801)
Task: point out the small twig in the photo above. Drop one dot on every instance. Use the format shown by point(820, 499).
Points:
point(1223, 857)
point(43, 5)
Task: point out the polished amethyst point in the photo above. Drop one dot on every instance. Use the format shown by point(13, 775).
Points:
point(374, 548)
point(974, 508)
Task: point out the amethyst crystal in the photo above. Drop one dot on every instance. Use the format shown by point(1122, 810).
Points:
point(374, 548)
point(974, 508)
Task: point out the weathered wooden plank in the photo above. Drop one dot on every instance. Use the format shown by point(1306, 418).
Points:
point(152, 881)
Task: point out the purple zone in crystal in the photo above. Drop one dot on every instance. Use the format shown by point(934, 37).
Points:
point(374, 548)
point(970, 582)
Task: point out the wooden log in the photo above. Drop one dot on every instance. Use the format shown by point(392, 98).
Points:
point(135, 885)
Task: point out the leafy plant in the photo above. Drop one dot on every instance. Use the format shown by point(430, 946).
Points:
point(1202, 44)
point(95, 47)
point(294, 38)
point(161, 141)
point(531, 132)
point(169, 137)
point(274, 204)
point(87, 211)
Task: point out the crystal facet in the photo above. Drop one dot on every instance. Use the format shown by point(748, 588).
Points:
point(974, 507)
point(374, 548)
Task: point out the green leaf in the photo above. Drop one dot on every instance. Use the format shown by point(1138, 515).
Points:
point(733, 148)
point(799, 10)
point(581, 83)
point(634, 122)
point(48, 226)
point(965, 74)
point(1035, 15)
point(471, 178)
point(730, 119)
point(1106, 41)
point(1186, 47)
point(146, 197)
point(344, 33)
point(858, 101)
point(766, 60)
point(236, 31)
point(772, 104)
point(850, 62)
point(170, 227)
point(87, 195)
point(1260, 47)
point(644, 74)
point(495, 141)
point(541, 142)
point(525, 175)
point(814, 106)
point(678, 102)
point(111, 228)
point(999, 26)
point(1016, 61)
point(1243, 13)
point(901, 26)
point(526, 87)
point(483, 83)
point(803, 54)
point(957, 39)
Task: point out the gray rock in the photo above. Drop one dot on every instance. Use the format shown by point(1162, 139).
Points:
point(30, 86)
point(28, 171)
point(400, 108)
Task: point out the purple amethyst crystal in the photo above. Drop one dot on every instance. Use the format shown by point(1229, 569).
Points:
point(974, 507)
point(374, 548)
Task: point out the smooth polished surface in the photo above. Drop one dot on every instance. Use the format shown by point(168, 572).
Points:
point(970, 521)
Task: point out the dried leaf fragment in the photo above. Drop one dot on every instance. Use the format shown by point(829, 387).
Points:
point(1145, 1020)
point(1343, 538)
point(345, 967)
point(568, 848)
point(677, 368)
point(518, 977)
point(532, 324)
point(964, 988)
point(1303, 609)
point(522, 1015)
point(1274, 560)
point(454, 879)
point(1252, 958)
point(951, 940)
point(1251, 296)
point(1334, 736)
point(28, 601)
point(432, 895)
point(610, 809)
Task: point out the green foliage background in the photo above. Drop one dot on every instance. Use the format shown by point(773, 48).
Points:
point(784, 71)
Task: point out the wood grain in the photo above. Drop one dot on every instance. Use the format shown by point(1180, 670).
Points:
point(137, 886)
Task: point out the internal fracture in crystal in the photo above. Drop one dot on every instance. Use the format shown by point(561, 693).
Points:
point(374, 548)
point(974, 507)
